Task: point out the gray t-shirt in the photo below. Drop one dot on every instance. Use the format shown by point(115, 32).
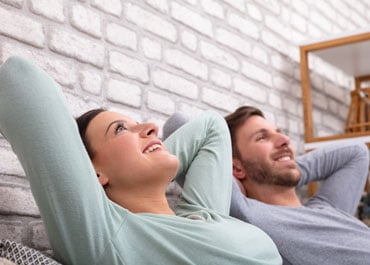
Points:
point(324, 230)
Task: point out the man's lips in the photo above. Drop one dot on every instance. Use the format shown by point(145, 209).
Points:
point(282, 156)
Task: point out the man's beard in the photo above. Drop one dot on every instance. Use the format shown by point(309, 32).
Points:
point(264, 173)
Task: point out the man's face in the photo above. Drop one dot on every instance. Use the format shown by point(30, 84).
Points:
point(266, 154)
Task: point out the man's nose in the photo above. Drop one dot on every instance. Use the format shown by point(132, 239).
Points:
point(282, 139)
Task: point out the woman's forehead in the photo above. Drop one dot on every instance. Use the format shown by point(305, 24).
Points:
point(101, 121)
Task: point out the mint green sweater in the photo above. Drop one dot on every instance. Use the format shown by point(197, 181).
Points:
point(84, 226)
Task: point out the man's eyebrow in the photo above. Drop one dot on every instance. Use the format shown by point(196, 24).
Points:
point(262, 130)
point(110, 124)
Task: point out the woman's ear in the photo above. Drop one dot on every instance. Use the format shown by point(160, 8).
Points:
point(103, 180)
point(238, 170)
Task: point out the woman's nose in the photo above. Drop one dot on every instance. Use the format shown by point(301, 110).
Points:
point(148, 129)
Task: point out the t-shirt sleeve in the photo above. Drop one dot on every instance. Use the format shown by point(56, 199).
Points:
point(204, 149)
point(342, 171)
point(35, 119)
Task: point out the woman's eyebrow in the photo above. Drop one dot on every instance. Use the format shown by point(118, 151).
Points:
point(110, 124)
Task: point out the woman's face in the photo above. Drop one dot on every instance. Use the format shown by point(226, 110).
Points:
point(126, 153)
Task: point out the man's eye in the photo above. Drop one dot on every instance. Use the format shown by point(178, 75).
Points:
point(260, 138)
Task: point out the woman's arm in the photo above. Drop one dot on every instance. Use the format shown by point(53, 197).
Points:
point(342, 171)
point(35, 119)
point(204, 149)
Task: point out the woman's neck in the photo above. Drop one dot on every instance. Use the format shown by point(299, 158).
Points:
point(143, 200)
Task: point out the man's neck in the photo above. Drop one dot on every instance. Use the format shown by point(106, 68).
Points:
point(273, 194)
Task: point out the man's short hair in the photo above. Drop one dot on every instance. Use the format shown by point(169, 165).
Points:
point(236, 119)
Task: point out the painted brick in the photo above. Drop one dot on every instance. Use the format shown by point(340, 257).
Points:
point(121, 36)
point(21, 28)
point(91, 82)
point(257, 73)
point(15, 3)
point(281, 120)
point(221, 78)
point(186, 63)
point(320, 21)
point(51, 9)
point(192, 2)
point(250, 90)
point(175, 84)
point(10, 163)
point(277, 26)
point(11, 230)
point(238, 4)
point(343, 111)
point(282, 64)
point(254, 11)
point(334, 91)
point(275, 42)
point(77, 47)
point(79, 105)
point(219, 99)
point(358, 19)
point(341, 7)
point(151, 22)
point(299, 22)
point(319, 100)
point(15, 200)
point(213, 8)
point(333, 122)
point(192, 19)
point(293, 126)
point(270, 5)
point(191, 109)
point(218, 56)
point(86, 20)
point(327, 10)
point(245, 26)
point(233, 41)
point(113, 7)
point(161, 103)
point(295, 89)
point(39, 236)
point(280, 83)
point(124, 92)
point(317, 116)
point(152, 49)
point(128, 66)
point(160, 5)
point(274, 100)
point(290, 105)
point(62, 71)
point(260, 54)
point(189, 40)
point(301, 7)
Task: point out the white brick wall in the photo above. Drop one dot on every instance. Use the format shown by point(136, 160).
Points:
point(152, 58)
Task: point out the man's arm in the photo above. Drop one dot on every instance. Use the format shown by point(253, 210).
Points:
point(342, 170)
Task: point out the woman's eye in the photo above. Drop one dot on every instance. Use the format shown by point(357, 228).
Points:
point(119, 128)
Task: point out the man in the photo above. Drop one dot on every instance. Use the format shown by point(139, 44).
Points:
point(321, 231)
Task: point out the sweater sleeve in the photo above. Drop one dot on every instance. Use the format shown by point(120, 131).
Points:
point(204, 149)
point(342, 171)
point(35, 119)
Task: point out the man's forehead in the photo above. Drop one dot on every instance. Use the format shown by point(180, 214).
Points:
point(257, 124)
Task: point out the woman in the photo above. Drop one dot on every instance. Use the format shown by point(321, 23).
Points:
point(114, 210)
